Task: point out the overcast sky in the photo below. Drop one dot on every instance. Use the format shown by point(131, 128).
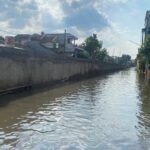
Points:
point(116, 22)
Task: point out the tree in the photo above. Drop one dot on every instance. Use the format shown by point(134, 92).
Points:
point(92, 44)
point(125, 58)
point(94, 47)
point(2, 40)
point(83, 54)
point(143, 56)
point(101, 54)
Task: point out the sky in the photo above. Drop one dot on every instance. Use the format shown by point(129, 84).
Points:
point(117, 23)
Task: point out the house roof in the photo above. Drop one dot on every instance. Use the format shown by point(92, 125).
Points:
point(71, 36)
point(48, 38)
point(22, 36)
point(45, 38)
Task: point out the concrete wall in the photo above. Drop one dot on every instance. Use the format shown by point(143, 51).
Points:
point(16, 73)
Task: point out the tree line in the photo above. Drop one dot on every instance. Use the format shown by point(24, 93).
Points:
point(93, 48)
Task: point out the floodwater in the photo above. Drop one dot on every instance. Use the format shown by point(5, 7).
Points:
point(110, 112)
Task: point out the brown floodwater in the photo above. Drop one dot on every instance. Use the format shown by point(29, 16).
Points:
point(110, 112)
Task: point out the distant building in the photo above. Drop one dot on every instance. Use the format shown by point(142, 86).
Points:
point(10, 41)
point(146, 29)
point(22, 39)
point(62, 42)
point(58, 42)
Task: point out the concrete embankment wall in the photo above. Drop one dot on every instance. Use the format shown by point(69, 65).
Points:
point(24, 71)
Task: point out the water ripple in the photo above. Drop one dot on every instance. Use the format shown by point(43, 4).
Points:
point(104, 113)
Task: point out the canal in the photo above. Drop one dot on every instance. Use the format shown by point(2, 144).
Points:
point(110, 112)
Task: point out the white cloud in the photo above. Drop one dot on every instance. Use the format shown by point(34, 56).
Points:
point(116, 41)
point(52, 7)
point(118, 1)
point(29, 16)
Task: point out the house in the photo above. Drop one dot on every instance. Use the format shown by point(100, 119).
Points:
point(10, 41)
point(22, 39)
point(146, 29)
point(61, 42)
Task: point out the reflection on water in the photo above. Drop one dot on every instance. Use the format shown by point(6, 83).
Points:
point(144, 111)
point(110, 112)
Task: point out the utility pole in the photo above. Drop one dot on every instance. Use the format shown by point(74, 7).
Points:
point(65, 41)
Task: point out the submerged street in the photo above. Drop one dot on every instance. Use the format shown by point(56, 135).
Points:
point(109, 112)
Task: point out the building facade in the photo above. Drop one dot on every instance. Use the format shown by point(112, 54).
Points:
point(9, 41)
point(146, 29)
point(64, 42)
point(59, 42)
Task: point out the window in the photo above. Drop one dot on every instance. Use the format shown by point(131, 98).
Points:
point(69, 41)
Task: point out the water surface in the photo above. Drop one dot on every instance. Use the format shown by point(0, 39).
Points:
point(110, 112)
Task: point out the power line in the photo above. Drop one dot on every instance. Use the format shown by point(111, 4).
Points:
point(135, 43)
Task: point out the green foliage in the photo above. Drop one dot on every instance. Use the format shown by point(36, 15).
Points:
point(125, 58)
point(92, 44)
point(145, 49)
point(101, 54)
point(83, 54)
point(94, 47)
point(1, 40)
point(143, 56)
